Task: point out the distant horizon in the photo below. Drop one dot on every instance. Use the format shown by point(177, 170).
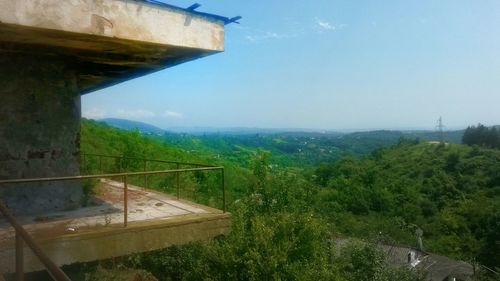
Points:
point(284, 129)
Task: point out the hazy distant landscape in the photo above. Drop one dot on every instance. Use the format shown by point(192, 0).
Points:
point(287, 147)
point(451, 135)
point(291, 192)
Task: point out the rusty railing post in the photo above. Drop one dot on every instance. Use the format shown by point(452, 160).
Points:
point(23, 236)
point(83, 163)
point(145, 176)
point(223, 191)
point(120, 164)
point(125, 202)
point(177, 182)
point(100, 164)
point(19, 257)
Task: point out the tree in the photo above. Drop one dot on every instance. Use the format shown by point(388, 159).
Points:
point(482, 136)
point(260, 166)
point(131, 151)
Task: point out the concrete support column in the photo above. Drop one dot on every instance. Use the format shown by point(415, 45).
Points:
point(39, 131)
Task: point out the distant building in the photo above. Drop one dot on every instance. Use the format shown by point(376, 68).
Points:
point(436, 267)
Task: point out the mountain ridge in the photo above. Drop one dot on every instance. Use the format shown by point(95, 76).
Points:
point(147, 128)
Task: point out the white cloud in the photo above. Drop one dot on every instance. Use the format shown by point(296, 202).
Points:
point(173, 114)
point(295, 29)
point(291, 28)
point(325, 25)
point(322, 25)
point(136, 113)
point(94, 113)
point(265, 36)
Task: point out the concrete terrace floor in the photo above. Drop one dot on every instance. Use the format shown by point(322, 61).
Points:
point(155, 221)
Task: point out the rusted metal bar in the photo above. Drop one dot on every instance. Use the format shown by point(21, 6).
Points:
point(22, 235)
point(56, 273)
point(83, 163)
point(19, 257)
point(152, 160)
point(125, 202)
point(177, 182)
point(100, 164)
point(145, 176)
point(224, 208)
point(116, 175)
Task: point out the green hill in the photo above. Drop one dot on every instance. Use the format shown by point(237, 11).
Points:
point(144, 128)
point(285, 217)
point(298, 149)
point(451, 192)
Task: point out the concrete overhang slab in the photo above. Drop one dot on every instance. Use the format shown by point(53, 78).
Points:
point(107, 41)
point(96, 232)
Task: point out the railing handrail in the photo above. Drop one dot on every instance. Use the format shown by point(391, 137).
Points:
point(148, 160)
point(56, 273)
point(110, 175)
point(51, 267)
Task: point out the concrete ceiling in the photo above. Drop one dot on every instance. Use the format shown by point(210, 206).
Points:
point(106, 42)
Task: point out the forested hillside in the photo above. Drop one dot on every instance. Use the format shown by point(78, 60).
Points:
point(286, 219)
point(132, 125)
point(451, 192)
point(482, 135)
point(288, 149)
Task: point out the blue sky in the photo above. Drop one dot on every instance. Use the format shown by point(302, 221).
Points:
point(328, 65)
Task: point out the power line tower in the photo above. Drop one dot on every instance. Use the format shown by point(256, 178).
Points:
point(440, 128)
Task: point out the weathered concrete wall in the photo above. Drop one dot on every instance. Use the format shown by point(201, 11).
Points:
point(39, 132)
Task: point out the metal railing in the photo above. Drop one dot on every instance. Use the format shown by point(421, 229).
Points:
point(23, 237)
point(56, 273)
point(145, 163)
